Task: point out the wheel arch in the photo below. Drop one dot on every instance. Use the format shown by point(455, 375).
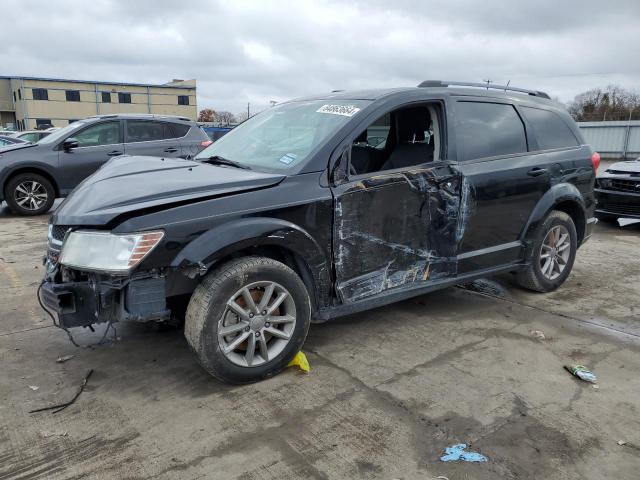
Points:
point(268, 237)
point(564, 197)
point(37, 169)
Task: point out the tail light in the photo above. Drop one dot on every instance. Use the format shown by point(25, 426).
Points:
point(595, 161)
point(206, 143)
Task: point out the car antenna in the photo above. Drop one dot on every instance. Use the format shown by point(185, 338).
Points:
point(507, 86)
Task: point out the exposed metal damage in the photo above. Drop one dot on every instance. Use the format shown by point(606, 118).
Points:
point(429, 206)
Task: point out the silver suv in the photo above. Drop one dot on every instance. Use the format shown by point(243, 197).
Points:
point(33, 175)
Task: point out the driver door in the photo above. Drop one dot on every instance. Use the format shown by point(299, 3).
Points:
point(394, 228)
point(97, 144)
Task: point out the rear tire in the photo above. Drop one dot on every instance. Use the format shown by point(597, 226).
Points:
point(263, 335)
point(29, 194)
point(549, 263)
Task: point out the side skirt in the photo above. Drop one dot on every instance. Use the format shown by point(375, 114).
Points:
point(391, 296)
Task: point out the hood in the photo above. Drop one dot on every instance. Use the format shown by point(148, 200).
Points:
point(16, 146)
point(624, 168)
point(129, 183)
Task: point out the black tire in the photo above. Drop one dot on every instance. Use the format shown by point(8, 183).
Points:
point(208, 304)
point(531, 277)
point(13, 194)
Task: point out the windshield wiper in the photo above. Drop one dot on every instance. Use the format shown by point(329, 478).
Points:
point(218, 160)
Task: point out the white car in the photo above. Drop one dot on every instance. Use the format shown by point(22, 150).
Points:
point(31, 135)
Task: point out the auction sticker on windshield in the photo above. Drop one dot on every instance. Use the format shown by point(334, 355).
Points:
point(345, 110)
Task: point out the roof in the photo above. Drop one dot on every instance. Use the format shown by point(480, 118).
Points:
point(376, 94)
point(139, 115)
point(124, 84)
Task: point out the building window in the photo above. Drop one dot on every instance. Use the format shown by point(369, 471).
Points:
point(124, 98)
point(42, 123)
point(72, 95)
point(40, 93)
point(19, 95)
point(106, 97)
point(183, 99)
point(14, 96)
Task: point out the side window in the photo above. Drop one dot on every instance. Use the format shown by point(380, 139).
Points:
point(488, 129)
point(179, 129)
point(402, 138)
point(144, 131)
point(550, 130)
point(106, 133)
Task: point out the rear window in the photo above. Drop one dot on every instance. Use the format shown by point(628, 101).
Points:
point(489, 129)
point(550, 130)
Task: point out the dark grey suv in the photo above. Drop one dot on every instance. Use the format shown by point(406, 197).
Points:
point(33, 175)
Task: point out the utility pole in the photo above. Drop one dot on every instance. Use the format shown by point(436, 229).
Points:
point(487, 81)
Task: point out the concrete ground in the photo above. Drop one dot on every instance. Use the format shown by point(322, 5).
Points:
point(389, 389)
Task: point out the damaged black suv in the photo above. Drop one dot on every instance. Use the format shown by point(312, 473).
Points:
point(321, 207)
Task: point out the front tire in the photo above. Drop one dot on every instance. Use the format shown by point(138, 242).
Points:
point(552, 254)
point(29, 194)
point(248, 319)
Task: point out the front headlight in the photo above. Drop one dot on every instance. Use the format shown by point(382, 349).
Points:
point(107, 251)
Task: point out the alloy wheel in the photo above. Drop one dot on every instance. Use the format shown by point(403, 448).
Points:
point(257, 324)
point(555, 252)
point(31, 195)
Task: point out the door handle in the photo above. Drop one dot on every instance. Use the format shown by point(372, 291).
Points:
point(170, 150)
point(537, 171)
point(114, 153)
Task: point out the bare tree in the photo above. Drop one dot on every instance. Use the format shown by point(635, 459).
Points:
point(207, 115)
point(609, 103)
point(241, 116)
point(225, 117)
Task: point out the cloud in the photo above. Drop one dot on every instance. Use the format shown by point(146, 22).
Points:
point(246, 51)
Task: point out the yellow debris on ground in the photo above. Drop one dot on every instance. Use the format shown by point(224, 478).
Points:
point(300, 360)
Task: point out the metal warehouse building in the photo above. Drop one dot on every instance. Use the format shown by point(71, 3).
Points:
point(613, 139)
point(27, 102)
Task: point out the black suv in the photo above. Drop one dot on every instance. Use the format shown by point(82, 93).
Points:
point(321, 207)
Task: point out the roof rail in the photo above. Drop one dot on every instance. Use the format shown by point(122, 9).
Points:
point(440, 83)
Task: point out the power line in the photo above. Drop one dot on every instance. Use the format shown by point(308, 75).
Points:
point(584, 74)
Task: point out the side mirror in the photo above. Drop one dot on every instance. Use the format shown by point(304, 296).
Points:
point(69, 143)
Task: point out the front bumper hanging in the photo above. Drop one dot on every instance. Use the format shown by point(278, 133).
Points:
point(80, 304)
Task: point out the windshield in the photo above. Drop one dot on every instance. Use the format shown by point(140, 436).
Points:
point(284, 136)
point(62, 133)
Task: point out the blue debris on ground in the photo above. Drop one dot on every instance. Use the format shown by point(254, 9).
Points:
point(583, 373)
point(457, 453)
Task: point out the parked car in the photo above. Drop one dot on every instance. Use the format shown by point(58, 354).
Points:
point(295, 217)
point(31, 135)
point(7, 140)
point(618, 191)
point(33, 175)
point(215, 133)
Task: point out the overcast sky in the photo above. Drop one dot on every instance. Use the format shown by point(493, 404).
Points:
point(250, 51)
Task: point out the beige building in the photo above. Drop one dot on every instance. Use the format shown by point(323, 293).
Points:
point(27, 102)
